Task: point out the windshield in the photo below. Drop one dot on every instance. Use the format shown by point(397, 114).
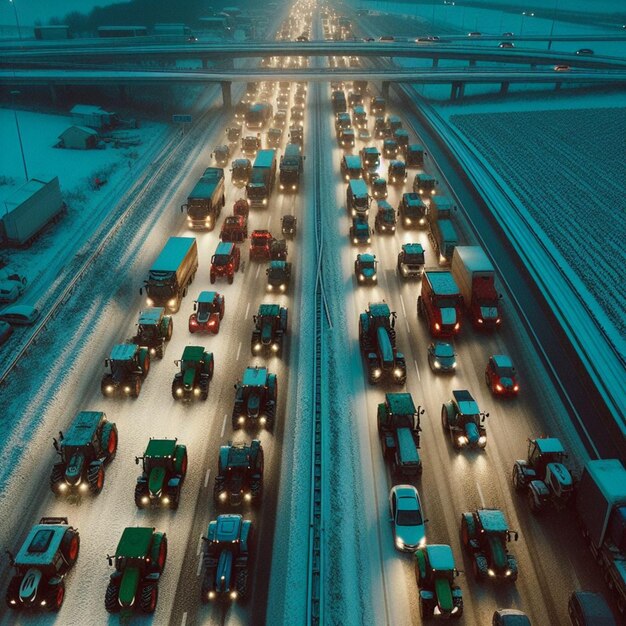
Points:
point(505, 372)
point(367, 264)
point(160, 291)
point(276, 272)
point(220, 259)
point(444, 350)
point(409, 518)
point(446, 303)
point(148, 333)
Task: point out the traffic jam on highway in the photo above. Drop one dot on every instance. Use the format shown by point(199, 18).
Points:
point(235, 264)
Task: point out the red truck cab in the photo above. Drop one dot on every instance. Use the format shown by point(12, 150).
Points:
point(440, 303)
point(208, 311)
point(260, 245)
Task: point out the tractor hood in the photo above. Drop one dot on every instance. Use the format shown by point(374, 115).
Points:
point(384, 347)
point(74, 469)
point(266, 334)
point(368, 272)
point(254, 404)
point(561, 473)
point(499, 560)
point(188, 378)
point(235, 487)
point(444, 595)
point(471, 432)
point(128, 586)
point(203, 315)
point(29, 586)
point(155, 482)
point(224, 571)
point(507, 383)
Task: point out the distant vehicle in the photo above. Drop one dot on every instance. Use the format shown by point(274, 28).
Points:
point(407, 518)
point(509, 617)
point(6, 330)
point(507, 34)
point(441, 357)
point(584, 51)
point(561, 68)
point(589, 609)
point(500, 376)
point(474, 34)
point(387, 38)
point(506, 44)
point(19, 315)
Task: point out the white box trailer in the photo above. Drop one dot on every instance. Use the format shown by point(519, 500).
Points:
point(29, 210)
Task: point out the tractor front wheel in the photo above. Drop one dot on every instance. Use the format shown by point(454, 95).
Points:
point(55, 596)
point(111, 598)
point(70, 546)
point(136, 387)
point(242, 584)
point(149, 597)
point(95, 479)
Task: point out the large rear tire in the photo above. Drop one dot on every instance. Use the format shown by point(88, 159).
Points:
point(70, 547)
point(149, 598)
point(111, 598)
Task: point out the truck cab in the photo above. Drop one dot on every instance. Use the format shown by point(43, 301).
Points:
point(225, 262)
point(346, 138)
point(351, 167)
point(357, 198)
point(424, 184)
point(412, 210)
point(291, 166)
point(359, 117)
point(396, 172)
point(240, 172)
point(414, 155)
point(370, 158)
point(440, 303)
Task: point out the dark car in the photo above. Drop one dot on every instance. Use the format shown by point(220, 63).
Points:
point(441, 357)
point(500, 376)
point(586, 608)
point(509, 617)
point(506, 44)
point(584, 51)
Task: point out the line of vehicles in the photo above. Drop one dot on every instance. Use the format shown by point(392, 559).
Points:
point(461, 283)
point(90, 443)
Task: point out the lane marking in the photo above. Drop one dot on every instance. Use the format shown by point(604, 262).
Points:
point(184, 619)
point(402, 303)
point(238, 351)
point(247, 310)
point(258, 269)
point(480, 495)
point(417, 370)
point(199, 545)
point(224, 424)
point(406, 321)
point(206, 478)
point(199, 567)
point(269, 219)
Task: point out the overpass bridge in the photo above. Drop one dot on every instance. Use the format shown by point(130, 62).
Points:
point(456, 77)
point(71, 54)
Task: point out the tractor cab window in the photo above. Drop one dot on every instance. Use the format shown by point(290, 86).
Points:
point(148, 332)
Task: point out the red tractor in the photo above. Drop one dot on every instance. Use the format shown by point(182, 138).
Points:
point(208, 311)
point(241, 207)
point(261, 245)
point(225, 262)
point(234, 228)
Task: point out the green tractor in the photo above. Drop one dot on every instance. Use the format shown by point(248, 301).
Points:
point(435, 573)
point(164, 470)
point(154, 328)
point(127, 367)
point(196, 370)
point(139, 562)
point(88, 445)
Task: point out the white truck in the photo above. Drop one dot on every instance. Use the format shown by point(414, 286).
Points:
point(474, 274)
point(29, 209)
point(601, 506)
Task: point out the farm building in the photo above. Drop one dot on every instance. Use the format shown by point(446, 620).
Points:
point(92, 116)
point(78, 138)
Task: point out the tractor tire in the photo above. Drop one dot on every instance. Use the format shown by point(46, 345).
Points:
point(488, 382)
point(217, 326)
point(149, 598)
point(111, 598)
point(212, 279)
point(144, 360)
point(420, 307)
point(535, 508)
point(57, 478)
point(180, 461)
point(158, 352)
point(70, 547)
point(136, 387)
point(241, 584)
point(205, 588)
point(169, 328)
point(158, 552)
point(518, 481)
point(108, 441)
point(426, 609)
point(13, 591)
point(480, 567)
point(512, 563)
point(231, 278)
point(55, 596)
point(174, 388)
point(468, 530)
point(175, 498)
point(95, 477)
point(256, 490)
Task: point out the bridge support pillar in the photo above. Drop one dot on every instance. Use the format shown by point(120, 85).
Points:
point(385, 89)
point(504, 88)
point(226, 98)
point(457, 91)
point(435, 61)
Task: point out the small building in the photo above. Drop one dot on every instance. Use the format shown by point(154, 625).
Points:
point(78, 138)
point(122, 31)
point(93, 117)
point(47, 33)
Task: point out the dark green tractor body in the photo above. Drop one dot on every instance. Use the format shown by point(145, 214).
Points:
point(196, 371)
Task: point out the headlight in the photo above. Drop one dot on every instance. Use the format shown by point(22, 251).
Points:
point(275, 347)
point(355, 240)
point(189, 222)
point(207, 222)
point(369, 240)
point(145, 500)
point(179, 391)
point(437, 365)
point(126, 389)
point(515, 388)
point(241, 419)
point(257, 347)
point(264, 201)
point(482, 440)
point(262, 420)
point(376, 373)
point(282, 186)
point(83, 487)
point(196, 391)
point(407, 221)
point(361, 278)
point(233, 595)
point(62, 487)
point(462, 440)
point(457, 326)
point(508, 572)
point(283, 287)
point(422, 542)
point(294, 187)
point(399, 543)
point(43, 603)
point(171, 302)
point(491, 572)
point(437, 326)
point(480, 320)
point(247, 497)
point(152, 351)
point(498, 387)
point(397, 372)
point(165, 500)
point(109, 388)
point(270, 287)
point(211, 595)
point(149, 301)
point(223, 496)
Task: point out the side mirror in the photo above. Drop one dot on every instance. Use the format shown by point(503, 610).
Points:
point(141, 288)
point(136, 460)
point(177, 362)
point(426, 521)
point(55, 443)
point(195, 306)
point(110, 560)
point(106, 362)
point(60, 435)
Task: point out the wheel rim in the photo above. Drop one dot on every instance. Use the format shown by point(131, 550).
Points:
point(73, 551)
point(112, 447)
point(60, 596)
point(183, 469)
point(100, 480)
